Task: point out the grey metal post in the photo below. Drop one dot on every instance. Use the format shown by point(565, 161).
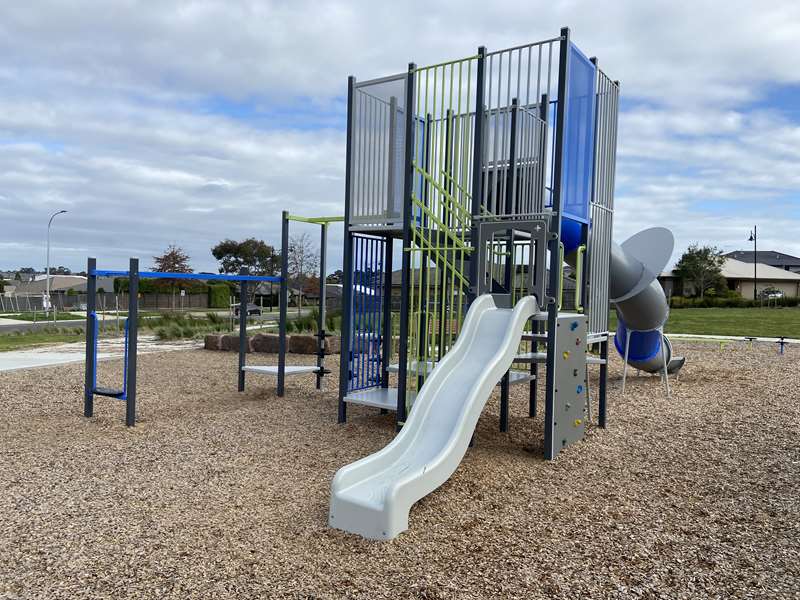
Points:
point(91, 357)
point(322, 291)
point(405, 285)
point(477, 169)
point(133, 341)
point(508, 275)
point(347, 261)
point(243, 292)
point(544, 115)
point(601, 402)
point(555, 234)
point(283, 304)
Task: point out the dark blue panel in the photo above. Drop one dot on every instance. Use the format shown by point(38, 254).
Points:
point(368, 297)
point(576, 184)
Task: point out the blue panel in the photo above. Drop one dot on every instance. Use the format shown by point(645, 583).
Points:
point(570, 235)
point(197, 276)
point(366, 333)
point(578, 170)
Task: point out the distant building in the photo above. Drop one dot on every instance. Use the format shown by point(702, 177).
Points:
point(739, 276)
point(779, 260)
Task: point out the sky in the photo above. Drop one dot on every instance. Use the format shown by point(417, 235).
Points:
point(190, 122)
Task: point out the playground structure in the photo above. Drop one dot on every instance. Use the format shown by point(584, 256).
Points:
point(127, 392)
point(490, 173)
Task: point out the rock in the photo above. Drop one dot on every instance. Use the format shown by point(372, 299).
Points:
point(333, 344)
point(303, 344)
point(212, 342)
point(267, 342)
point(231, 343)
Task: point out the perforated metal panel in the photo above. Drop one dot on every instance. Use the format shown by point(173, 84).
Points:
point(570, 380)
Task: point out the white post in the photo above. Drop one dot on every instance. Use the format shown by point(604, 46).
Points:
point(47, 274)
point(625, 364)
point(664, 356)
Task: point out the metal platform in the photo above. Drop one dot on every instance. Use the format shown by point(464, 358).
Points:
point(377, 397)
point(528, 357)
point(515, 377)
point(288, 370)
point(395, 368)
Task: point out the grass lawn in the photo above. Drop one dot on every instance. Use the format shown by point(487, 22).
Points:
point(761, 322)
point(40, 316)
point(21, 341)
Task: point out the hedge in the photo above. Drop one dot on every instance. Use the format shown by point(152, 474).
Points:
point(219, 295)
point(730, 302)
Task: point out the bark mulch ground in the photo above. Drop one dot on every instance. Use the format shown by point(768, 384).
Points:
point(216, 494)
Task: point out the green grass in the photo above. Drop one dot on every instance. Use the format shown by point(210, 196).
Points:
point(759, 322)
point(32, 339)
point(40, 316)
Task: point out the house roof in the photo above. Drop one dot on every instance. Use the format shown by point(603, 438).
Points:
point(767, 257)
point(57, 282)
point(736, 269)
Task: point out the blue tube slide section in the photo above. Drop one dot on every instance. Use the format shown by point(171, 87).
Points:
point(640, 303)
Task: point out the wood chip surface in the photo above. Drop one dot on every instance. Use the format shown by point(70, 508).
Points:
point(217, 494)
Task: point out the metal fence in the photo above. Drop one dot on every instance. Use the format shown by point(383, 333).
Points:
point(602, 206)
point(522, 77)
point(378, 153)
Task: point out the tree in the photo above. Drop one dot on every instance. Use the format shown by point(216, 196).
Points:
point(336, 277)
point(60, 271)
point(174, 260)
point(303, 260)
point(701, 266)
point(258, 256)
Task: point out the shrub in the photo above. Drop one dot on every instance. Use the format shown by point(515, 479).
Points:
point(218, 295)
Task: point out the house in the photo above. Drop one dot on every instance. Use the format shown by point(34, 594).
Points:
point(780, 260)
point(739, 276)
point(58, 284)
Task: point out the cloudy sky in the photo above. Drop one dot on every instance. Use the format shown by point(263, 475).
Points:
point(188, 122)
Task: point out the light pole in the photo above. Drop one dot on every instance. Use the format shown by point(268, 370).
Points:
point(754, 239)
point(47, 274)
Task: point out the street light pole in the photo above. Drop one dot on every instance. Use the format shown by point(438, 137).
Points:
point(754, 239)
point(47, 274)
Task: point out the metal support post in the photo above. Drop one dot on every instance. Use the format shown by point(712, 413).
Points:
point(133, 342)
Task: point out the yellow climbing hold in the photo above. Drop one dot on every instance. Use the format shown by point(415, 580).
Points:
point(565, 354)
point(578, 422)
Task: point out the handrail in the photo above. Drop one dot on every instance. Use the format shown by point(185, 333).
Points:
point(579, 277)
point(561, 274)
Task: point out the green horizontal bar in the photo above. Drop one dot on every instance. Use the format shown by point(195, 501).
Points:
point(438, 248)
point(316, 220)
point(449, 62)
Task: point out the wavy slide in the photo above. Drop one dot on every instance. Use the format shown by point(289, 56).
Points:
point(373, 496)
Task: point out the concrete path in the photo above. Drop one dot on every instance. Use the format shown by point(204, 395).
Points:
point(75, 352)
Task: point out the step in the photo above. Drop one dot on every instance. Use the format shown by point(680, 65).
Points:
point(110, 392)
point(528, 357)
point(515, 377)
point(288, 369)
point(376, 397)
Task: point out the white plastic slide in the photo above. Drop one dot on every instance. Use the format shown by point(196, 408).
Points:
point(373, 496)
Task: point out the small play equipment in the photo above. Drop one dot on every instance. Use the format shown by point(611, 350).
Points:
point(127, 393)
point(282, 370)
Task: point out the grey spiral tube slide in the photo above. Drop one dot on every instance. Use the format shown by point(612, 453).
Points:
point(640, 303)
